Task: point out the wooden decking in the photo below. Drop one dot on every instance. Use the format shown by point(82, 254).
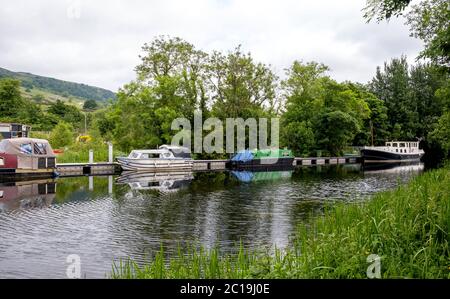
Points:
point(78, 169)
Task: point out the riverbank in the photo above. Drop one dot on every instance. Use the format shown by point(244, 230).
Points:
point(408, 228)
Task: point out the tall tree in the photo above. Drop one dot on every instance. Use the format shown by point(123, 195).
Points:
point(176, 72)
point(11, 101)
point(320, 113)
point(241, 87)
point(67, 113)
point(392, 86)
point(428, 20)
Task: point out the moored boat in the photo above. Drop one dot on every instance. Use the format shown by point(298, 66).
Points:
point(26, 157)
point(392, 152)
point(165, 158)
point(267, 159)
point(165, 182)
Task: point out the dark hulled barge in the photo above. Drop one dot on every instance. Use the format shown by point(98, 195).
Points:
point(392, 152)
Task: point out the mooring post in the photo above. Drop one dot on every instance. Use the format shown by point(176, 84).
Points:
point(110, 152)
point(91, 156)
point(110, 184)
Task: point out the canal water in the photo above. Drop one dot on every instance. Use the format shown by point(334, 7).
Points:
point(102, 219)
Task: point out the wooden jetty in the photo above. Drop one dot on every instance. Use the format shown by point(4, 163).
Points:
point(107, 168)
point(326, 160)
point(79, 169)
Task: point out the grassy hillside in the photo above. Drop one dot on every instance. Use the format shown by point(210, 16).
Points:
point(53, 89)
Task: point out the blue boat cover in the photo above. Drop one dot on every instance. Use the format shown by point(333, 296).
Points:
point(243, 156)
point(243, 176)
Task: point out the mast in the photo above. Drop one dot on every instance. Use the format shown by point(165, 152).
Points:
point(371, 130)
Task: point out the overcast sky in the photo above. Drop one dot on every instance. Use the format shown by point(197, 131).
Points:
point(98, 42)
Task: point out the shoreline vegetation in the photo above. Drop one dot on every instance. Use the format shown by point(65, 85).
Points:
point(408, 228)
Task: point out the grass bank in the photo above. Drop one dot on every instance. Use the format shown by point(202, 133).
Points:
point(79, 153)
point(408, 228)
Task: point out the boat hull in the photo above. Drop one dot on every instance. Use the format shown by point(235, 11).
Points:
point(375, 156)
point(263, 164)
point(19, 174)
point(155, 164)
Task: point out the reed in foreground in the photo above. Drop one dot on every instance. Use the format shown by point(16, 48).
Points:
point(407, 228)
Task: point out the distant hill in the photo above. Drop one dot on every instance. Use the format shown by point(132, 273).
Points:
point(57, 89)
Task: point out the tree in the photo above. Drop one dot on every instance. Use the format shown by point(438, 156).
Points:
point(11, 101)
point(375, 128)
point(384, 9)
point(441, 134)
point(414, 97)
point(67, 113)
point(241, 87)
point(428, 20)
point(61, 135)
point(176, 72)
point(392, 86)
point(90, 105)
point(335, 130)
point(320, 113)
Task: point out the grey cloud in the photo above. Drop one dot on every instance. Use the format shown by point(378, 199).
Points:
point(102, 46)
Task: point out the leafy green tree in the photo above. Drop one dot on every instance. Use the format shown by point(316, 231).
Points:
point(299, 136)
point(375, 128)
point(425, 82)
point(11, 101)
point(428, 20)
point(441, 134)
point(90, 105)
point(38, 98)
point(67, 113)
point(61, 135)
point(414, 97)
point(315, 104)
point(241, 87)
point(335, 130)
point(176, 72)
point(392, 86)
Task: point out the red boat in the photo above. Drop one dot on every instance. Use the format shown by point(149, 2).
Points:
point(26, 157)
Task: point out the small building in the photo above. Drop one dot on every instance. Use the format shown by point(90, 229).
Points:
point(14, 130)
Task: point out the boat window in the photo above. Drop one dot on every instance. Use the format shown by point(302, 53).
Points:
point(166, 155)
point(396, 150)
point(133, 155)
point(394, 144)
point(402, 145)
point(26, 148)
point(388, 144)
point(40, 149)
point(149, 156)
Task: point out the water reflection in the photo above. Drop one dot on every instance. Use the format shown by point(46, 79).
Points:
point(105, 218)
point(163, 182)
point(26, 195)
point(258, 176)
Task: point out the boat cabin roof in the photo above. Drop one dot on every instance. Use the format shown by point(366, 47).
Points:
point(153, 151)
point(403, 143)
point(26, 147)
point(175, 151)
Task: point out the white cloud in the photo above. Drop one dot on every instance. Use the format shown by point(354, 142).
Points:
point(101, 47)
